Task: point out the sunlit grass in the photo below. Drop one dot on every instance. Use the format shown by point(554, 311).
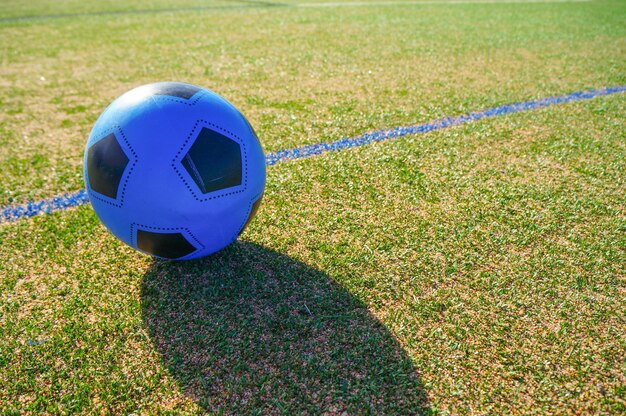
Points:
point(300, 76)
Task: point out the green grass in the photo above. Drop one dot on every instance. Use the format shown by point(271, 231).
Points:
point(477, 269)
point(300, 75)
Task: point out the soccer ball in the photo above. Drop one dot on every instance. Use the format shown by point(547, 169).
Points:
point(174, 170)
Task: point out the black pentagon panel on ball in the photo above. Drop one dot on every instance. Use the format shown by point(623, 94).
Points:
point(166, 245)
point(106, 162)
point(253, 211)
point(213, 161)
point(256, 136)
point(175, 89)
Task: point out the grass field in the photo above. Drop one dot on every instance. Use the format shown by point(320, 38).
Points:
point(477, 269)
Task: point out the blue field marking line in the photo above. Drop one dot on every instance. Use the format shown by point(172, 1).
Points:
point(442, 123)
point(30, 209)
point(45, 206)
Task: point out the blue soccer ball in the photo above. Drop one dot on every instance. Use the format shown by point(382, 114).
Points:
point(174, 170)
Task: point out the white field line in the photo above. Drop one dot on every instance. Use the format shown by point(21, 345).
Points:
point(427, 2)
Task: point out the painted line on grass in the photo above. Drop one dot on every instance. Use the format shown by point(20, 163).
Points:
point(30, 209)
point(442, 123)
point(251, 4)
